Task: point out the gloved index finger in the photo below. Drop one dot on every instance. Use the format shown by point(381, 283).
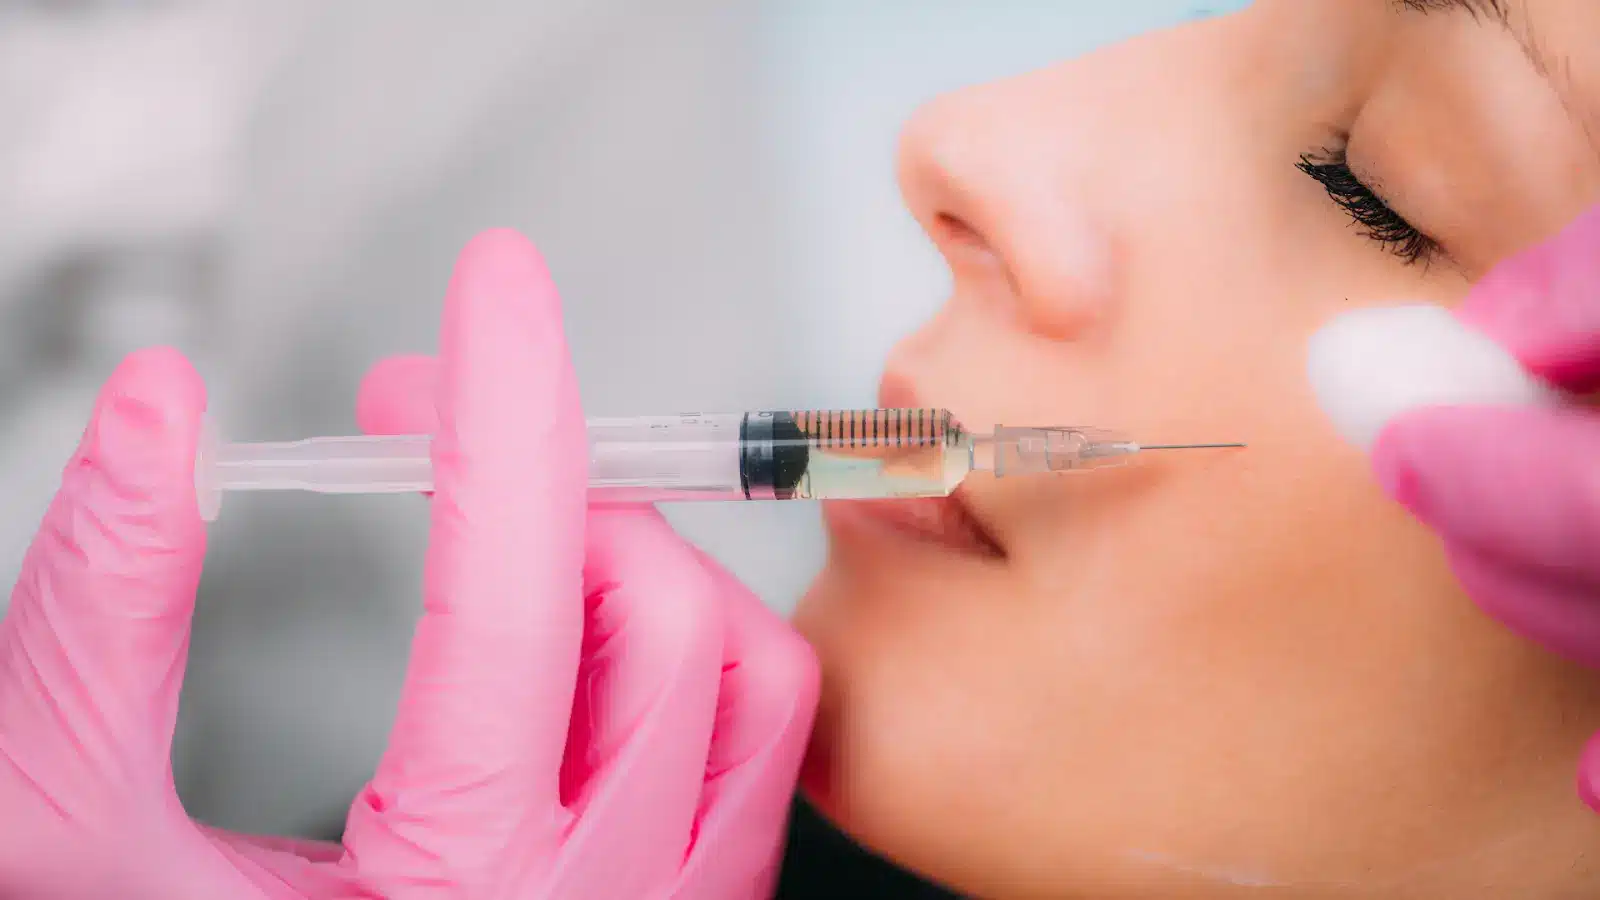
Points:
point(482, 724)
point(1544, 306)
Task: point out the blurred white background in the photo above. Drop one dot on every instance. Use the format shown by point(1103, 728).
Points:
point(280, 187)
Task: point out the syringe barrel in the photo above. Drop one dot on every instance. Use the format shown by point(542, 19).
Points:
point(687, 457)
point(767, 455)
point(777, 455)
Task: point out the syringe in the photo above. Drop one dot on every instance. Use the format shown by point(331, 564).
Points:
point(782, 455)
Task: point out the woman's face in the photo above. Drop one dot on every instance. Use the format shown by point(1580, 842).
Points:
point(1211, 670)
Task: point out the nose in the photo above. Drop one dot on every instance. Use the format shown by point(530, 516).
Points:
point(990, 186)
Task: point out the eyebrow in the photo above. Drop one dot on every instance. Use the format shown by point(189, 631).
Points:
point(1558, 72)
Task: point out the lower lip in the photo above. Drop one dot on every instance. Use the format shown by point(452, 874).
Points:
point(941, 522)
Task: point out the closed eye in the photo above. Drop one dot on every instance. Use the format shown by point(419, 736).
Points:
point(1330, 167)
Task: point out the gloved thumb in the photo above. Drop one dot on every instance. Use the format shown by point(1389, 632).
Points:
point(1508, 489)
point(96, 638)
point(1512, 482)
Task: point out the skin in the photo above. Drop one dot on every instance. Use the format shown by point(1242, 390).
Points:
point(1229, 673)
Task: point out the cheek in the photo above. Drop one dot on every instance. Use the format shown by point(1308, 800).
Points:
point(1192, 554)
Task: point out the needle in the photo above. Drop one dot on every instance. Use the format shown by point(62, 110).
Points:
point(1187, 446)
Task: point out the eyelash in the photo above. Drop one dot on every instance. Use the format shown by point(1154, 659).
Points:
point(1331, 169)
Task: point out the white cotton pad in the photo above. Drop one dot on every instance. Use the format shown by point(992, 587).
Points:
point(1370, 365)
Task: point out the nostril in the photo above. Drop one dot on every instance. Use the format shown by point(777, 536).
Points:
point(956, 231)
point(962, 244)
point(966, 249)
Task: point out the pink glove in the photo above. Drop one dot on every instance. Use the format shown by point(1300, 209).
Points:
point(593, 710)
point(672, 772)
point(1516, 492)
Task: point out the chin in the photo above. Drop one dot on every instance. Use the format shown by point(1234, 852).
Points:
point(897, 582)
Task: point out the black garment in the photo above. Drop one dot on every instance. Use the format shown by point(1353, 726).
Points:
point(820, 863)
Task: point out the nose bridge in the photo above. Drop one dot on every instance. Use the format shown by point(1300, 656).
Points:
point(989, 166)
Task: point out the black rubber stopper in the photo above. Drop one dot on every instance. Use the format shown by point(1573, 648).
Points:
point(773, 457)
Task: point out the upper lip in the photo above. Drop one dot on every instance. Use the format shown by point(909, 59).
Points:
point(966, 500)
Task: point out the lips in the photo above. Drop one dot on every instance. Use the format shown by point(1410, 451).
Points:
point(941, 521)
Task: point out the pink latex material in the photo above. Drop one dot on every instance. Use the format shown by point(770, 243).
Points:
point(1515, 493)
point(593, 709)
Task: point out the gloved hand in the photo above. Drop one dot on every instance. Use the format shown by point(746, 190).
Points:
point(1515, 492)
point(592, 710)
point(672, 774)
